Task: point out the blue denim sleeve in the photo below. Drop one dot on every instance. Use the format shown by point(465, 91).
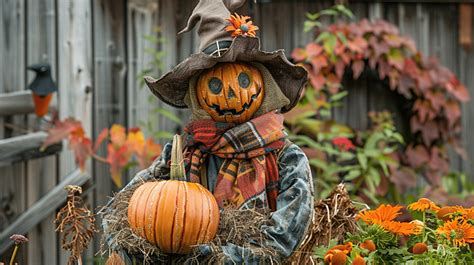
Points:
point(294, 209)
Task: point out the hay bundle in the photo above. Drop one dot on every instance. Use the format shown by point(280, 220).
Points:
point(119, 232)
point(333, 217)
point(239, 227)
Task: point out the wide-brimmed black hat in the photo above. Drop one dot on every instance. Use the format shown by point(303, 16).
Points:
point(218, 46)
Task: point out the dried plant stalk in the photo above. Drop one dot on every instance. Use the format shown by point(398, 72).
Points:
point(333, 217)
point(76, 223)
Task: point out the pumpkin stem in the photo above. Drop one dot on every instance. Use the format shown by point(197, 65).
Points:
point(177, 161)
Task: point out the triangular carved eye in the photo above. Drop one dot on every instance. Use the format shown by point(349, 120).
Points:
point(215, 85)
point(244, 80)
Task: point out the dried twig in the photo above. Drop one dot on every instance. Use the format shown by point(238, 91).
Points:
point(76, 223)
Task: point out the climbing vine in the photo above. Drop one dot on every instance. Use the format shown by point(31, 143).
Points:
point(434, 91)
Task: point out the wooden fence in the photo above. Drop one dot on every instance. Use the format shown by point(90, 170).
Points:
point(97, 48)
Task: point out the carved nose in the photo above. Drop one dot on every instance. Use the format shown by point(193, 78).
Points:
point(231, 93)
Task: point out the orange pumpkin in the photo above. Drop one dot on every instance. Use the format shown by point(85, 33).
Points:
point(173, 214)
point(230, 92)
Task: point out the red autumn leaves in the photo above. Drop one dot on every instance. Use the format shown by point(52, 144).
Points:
point(435, 91)
point(122, 146)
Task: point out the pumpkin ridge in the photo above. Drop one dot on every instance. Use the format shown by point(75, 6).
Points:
point(133, 208)
point(148, 213)
point(161, 228)
point(157, 211)
point(184, 216)
point(174, 219)
point(138, 226)
point(206, 236)
point(145, 211)
point(201, 219)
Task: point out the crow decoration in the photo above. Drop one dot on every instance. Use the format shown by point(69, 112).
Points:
point(42, 87)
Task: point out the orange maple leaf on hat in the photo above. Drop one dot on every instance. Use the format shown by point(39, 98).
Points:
point(241, 25)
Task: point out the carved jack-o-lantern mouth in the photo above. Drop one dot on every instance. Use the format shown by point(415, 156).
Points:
point(230, 92)
point(245, 107)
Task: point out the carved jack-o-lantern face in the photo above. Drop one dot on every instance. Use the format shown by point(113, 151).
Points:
point(230, 92)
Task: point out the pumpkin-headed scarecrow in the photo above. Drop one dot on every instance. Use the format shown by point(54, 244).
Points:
point(235, 144)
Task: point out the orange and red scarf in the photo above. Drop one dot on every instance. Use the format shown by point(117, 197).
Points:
point(248, 149)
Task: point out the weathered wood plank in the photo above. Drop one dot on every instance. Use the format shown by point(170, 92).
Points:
point(41, 177)
point(20, 102)
point(466, 64)
point(142, 21)
point(12, 78)
point(42, 208)
point(109, 79)
point(75, 67)
point(25, 146)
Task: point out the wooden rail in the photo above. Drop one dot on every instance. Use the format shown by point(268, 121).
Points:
point(41, 209)
point(25, 147)
point(19, 102)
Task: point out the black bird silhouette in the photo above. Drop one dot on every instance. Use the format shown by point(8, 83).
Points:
point(42, 87)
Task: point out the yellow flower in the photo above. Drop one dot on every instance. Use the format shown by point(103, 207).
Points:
point(459, 231)
point(422, 205)
point(241, 25)
point(419, 225)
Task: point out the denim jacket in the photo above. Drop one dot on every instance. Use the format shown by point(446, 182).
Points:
point(294, 203)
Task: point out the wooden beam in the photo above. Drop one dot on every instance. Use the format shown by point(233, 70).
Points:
point(41, 209)
point(25, 147)
point(20, 102)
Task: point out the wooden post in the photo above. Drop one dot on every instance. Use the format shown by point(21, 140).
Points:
point(12, 78)
point(75, 72)
point(75, 67)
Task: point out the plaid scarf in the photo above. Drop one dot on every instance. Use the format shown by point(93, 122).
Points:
point(250, 164)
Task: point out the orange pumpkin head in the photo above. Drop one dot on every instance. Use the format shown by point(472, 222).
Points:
point(230, 92)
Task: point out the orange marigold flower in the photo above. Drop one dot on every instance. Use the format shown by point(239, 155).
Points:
point(335, 253)
point(336, 258)
point(469, 213)
point(459, 231)
point(419, 248)
point(383, 213)
point(358, 260)
point(241, 25)
point(400, 228)
point(369, 245)
point(423, 204)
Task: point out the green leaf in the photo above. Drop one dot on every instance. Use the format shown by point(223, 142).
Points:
point(362, 160)
point(342, 37)
point(323, 36)
point(313, 16)
point(330, 43)
point(353, 174)
point(344, 10)
point(163, 135)
point(371, 196)
point(375, 177)
point(329, 12)
point(169, 115)
point(339, 96)
point(309, 25)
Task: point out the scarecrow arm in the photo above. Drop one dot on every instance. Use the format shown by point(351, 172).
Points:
point(294, 208)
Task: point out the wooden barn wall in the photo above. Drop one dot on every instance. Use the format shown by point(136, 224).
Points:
point(97, 48)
